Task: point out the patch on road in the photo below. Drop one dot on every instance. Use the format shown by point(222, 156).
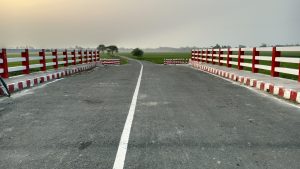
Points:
point(154, 103)
point(93, 101)
point(84, 144)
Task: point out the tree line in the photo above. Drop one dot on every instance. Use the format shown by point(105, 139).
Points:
point(111, 49)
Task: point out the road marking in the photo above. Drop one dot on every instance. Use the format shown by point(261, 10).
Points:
point(122, 149)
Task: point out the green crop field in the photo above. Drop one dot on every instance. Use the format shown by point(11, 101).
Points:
point(158, 58)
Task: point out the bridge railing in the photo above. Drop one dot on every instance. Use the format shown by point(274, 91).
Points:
point(175, 61)
point(27, 61)
point(275, 61)
point(110, 61)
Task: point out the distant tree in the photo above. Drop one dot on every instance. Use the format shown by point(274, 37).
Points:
point(101, 48)
point(112, 49)
point(242, 46)
point(78, 47)
point(217, 46)
point(263, 45)
point(137, 52)
point(108, 51)
point(224, 46)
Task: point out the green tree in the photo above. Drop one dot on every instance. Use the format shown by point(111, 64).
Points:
point(263, 45)
point(242, 46)
point(112, 49)
point(101, 48)
point(217, 46)
point(137, 52)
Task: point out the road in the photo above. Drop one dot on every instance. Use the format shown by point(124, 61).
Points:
point(183, 119)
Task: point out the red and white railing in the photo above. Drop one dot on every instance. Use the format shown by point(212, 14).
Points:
point(175, 61)
point(46, 60)
point(237, 56)
point(110, 61)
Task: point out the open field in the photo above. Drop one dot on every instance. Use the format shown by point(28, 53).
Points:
point(158, 58)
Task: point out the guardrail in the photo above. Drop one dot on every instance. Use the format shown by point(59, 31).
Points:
point(175, 61)
point(110, 61)
point(274, 60)
point(25, 61)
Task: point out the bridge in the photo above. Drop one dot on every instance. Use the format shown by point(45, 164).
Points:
point(145, 115)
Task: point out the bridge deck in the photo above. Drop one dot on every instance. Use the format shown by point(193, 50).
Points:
point(183, 119)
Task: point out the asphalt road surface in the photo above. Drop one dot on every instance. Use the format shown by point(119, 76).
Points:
point(184, 119)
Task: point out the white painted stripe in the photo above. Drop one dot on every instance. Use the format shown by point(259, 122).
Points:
point(31, 82)
point(122, 149)
point(298, 97)
point(276, 90)
point(16, 86)
point(251, 82)
point(267, 87)
point(24, 84)
point(258, 83)
point(287, 94)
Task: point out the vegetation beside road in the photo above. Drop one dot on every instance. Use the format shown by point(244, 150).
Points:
point(158, 58)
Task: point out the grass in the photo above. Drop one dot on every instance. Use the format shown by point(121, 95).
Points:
point(158, 58)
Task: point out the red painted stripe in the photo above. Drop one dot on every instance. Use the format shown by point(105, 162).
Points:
point(242, 79)
point(11, 88)
point(281, 92)
point(248, 82)
point(262, 86)
point(1, 91)
point(293, 95)
point(28, 82)
point(20, 86)
point(35, 81)
point(254, 83)
point(271, 90)
point(42, 79)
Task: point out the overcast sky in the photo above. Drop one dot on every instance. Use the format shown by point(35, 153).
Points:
point(148, 23)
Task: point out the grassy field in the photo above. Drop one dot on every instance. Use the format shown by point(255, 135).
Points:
point(158, 58)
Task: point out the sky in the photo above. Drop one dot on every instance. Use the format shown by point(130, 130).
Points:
point(148, 23)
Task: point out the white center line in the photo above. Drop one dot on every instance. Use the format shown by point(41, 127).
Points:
point(122, 149)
